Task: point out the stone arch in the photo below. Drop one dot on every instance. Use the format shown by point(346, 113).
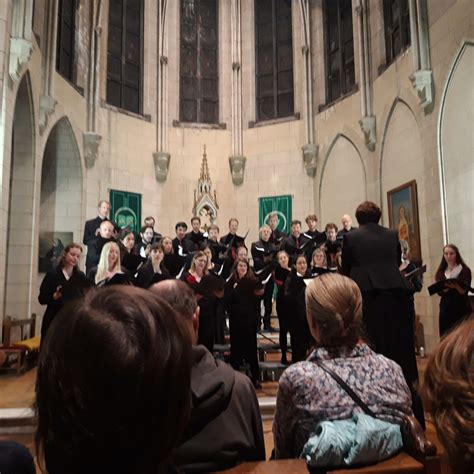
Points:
point(343, 164)
point(401, 161)
point(61, 193)
point(455, 152)
point(20, 221)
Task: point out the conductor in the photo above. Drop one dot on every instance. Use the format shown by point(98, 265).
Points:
point(371, 256)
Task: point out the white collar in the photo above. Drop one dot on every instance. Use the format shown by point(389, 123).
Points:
point(454, 273)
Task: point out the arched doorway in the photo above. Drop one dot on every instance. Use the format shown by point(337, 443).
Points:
point(61, 195)
point(20, 241)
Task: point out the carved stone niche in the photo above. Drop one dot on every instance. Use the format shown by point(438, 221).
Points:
point(162, 164)
point(310, 158)
point(237, 168)
point(367, 125)
point(91, 142)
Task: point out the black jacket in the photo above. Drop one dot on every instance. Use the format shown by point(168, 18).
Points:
point(225, 427)
point(186, 245)
point(371, 257)
point(260, 251)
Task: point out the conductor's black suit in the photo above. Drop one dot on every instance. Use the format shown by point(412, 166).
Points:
point(371, 256)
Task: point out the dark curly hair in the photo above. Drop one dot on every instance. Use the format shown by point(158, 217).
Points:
point(448, 394)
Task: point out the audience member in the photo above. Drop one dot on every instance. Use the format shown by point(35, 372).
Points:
point(15, 459)
point(225, 426)
point(454, 304)
point(112, 392)
point(307, 395)
point(448, 393)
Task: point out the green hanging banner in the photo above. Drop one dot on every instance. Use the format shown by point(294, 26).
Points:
point(281, 205)
point(126, 209)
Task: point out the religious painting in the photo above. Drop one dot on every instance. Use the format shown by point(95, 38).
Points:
point(51, 245)
point(126, 209)
point(279, 205)
point(403, 217)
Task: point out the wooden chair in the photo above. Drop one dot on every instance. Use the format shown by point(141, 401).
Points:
point(418, 457)
point(27, 343)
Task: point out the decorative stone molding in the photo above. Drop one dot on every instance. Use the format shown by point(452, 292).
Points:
point(46, 108)
point(237, 168)
point(368, 126)
point(310, 158)
point(91, 142)
point(162, 164)
point(422, 81)
point(20, 53)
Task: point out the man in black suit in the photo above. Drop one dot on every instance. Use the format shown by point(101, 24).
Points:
point(294, 244)
point(181, 245)
point(371, 256)
point(196, 236)
point(91, 230)
point(276, 236)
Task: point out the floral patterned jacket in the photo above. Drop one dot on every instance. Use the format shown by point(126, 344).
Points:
point(308, 395)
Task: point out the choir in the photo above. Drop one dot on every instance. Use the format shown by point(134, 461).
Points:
point(226, 285)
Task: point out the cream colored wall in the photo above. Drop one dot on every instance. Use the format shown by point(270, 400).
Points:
point(273, 150)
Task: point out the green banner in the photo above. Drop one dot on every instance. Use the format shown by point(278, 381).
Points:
point(126, 209)
point(281, 205)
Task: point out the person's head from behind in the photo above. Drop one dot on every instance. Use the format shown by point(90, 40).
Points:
point(334, 310)
point(368, 213)
point(182, 299)
point(120, 405)
point(106, 230)
point(448, 395)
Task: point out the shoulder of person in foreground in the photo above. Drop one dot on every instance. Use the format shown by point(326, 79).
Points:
point(15, 458)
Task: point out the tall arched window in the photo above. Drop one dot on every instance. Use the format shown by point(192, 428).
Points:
point(65, 43)
point(339, 46)
point(274, 59)
point(125, 55)
point(198, 84)
point(396, 14)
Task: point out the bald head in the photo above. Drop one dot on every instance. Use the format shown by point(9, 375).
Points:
point(346, 221)
point(181, 298)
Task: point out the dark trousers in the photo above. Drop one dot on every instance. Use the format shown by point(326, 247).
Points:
point(267, 303)
point(207, 330)
point(300, 340)
point(284, 323)
point(243, 347)
point(389, 330)
point(220, 323)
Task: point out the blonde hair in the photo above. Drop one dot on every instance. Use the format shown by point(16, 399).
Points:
point(334, 303)
point(103, 266)
point(197, 255)
point(319, 249)
point(448, 394)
